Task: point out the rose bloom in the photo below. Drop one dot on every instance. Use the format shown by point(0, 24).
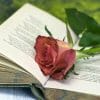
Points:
point(54, 57)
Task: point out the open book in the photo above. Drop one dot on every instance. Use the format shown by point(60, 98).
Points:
point(17, 66)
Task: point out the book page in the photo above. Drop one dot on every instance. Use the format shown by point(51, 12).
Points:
point(87, 81)
point(18, 35)
point(7, 64)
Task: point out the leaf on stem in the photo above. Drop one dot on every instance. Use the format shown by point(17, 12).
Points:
point(46, 29)
point(91, 51)
point(81, 23)
point(69, 37)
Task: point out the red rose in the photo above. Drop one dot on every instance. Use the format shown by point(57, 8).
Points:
point(55, 58)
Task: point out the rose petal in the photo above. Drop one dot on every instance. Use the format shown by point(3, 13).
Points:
point(46, 53)
point(63, 46)
point(47, 66)
point(66, 61)
point(42, 41)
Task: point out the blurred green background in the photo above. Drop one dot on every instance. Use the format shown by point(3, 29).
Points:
point(55, 7)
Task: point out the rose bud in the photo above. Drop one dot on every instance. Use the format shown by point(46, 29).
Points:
point(54, 57)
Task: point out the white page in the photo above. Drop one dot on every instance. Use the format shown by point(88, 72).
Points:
point(14, 48)
point(19, 32)
point(88, 80)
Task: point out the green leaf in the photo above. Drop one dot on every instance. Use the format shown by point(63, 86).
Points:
point(80, 55)
point(92, 51)
point(81, 23)
point(46, 29)
point(89, 39)
point(75, 20)
point(69, 37)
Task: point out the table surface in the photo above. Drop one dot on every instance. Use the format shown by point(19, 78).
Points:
point(16, 93)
